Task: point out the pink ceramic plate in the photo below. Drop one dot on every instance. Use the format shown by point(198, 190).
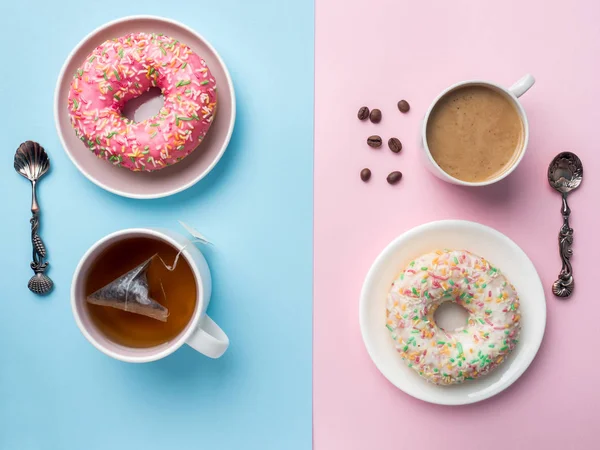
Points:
point(172, 179)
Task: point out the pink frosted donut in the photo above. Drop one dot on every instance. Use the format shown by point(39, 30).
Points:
point(124, 68)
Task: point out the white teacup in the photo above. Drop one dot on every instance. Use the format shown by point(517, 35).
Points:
point(512, 94)
point(201, 333)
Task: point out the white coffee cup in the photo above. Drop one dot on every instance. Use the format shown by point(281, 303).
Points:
point(201, 333)
point(512, 94)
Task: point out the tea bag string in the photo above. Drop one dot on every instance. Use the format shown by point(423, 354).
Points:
point(172, 267)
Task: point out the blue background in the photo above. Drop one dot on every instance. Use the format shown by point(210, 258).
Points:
point(56, 390)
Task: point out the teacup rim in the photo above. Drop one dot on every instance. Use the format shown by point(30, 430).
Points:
point(183, 336)
point(523, 115)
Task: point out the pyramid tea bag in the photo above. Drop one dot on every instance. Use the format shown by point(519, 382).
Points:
point(129, 293)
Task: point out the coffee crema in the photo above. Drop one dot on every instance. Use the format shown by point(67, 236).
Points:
point(135, 330)
point(475, 133)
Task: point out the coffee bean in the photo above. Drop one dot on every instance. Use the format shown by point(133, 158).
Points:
point(365, 175)
point(403, 106)
point(374, 141)
point(395, 145)
point(394, 177)
point(363, 113)
point(375, 116)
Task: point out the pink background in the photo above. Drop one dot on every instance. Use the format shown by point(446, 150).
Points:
point(376, 53)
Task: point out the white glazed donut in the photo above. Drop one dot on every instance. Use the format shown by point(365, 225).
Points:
point(450, 357)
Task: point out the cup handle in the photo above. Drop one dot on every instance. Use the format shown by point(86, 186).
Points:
point(522, 86)
point(208, 338)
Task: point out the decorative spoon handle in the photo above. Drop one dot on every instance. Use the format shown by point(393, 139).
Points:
point(39, 283)
point(39, 250)
point(564, 285)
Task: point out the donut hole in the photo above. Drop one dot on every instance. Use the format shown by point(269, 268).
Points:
point(145, 106)
point(449, 316)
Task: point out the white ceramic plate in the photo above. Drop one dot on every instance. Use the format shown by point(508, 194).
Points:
point(177, 177)
point(483, 241)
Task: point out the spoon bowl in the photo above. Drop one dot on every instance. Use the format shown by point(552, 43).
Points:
point(565, 172)
point(31, 161)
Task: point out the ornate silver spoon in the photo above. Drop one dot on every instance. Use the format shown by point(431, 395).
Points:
point(565, 175)
point(32, 162)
